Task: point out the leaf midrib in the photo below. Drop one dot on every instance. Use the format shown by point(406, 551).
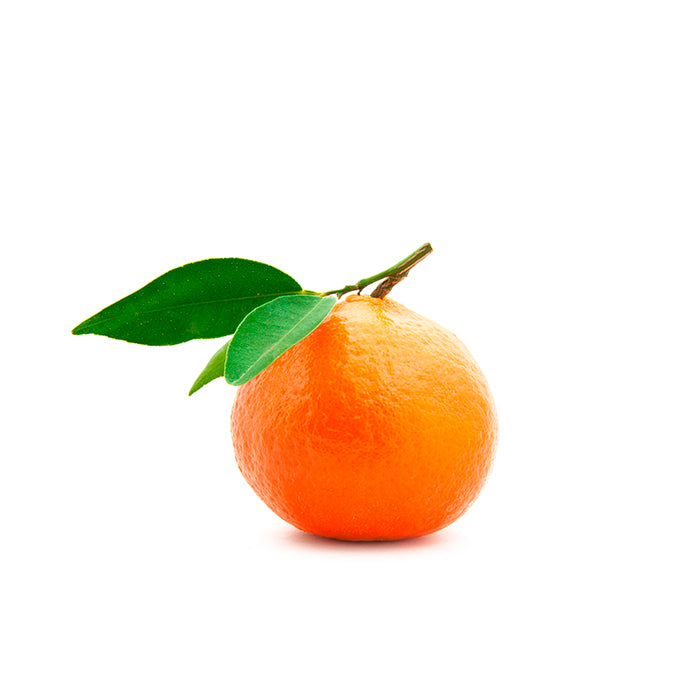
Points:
point(172, 307)
point(271, 349)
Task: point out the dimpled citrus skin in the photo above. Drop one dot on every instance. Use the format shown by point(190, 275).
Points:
point(379, 425)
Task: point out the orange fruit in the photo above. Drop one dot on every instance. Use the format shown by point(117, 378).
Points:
point(379, 425)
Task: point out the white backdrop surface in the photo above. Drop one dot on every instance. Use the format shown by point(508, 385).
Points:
point(549, 151)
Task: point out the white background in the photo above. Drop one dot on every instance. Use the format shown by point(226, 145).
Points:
point(549, 151)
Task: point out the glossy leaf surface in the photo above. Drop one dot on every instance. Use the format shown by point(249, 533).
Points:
point(204, 299)
point(271, 329)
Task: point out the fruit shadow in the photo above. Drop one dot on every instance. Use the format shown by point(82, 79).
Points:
point(307, 541)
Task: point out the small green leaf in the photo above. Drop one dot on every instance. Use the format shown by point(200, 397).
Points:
point(269, 330)
point(213, 370)
point(204, 299)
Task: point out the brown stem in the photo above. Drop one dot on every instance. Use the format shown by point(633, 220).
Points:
point(402, 270)
point(396, 272)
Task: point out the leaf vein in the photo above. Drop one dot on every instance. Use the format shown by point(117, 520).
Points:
point(139, 312)
point(272, 348)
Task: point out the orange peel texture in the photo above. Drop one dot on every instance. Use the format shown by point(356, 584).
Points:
point(379, 425)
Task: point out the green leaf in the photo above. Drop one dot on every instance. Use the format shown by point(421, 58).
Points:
point(271, 329)
point(205, 299)
point(213, 370)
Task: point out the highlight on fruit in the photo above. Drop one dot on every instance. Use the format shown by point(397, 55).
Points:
point(355, 418)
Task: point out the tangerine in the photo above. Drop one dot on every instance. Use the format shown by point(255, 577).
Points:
point(379, 425)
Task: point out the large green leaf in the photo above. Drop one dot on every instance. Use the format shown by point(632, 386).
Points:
point(213, 370)
point(205, 299)
point(271, 329)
